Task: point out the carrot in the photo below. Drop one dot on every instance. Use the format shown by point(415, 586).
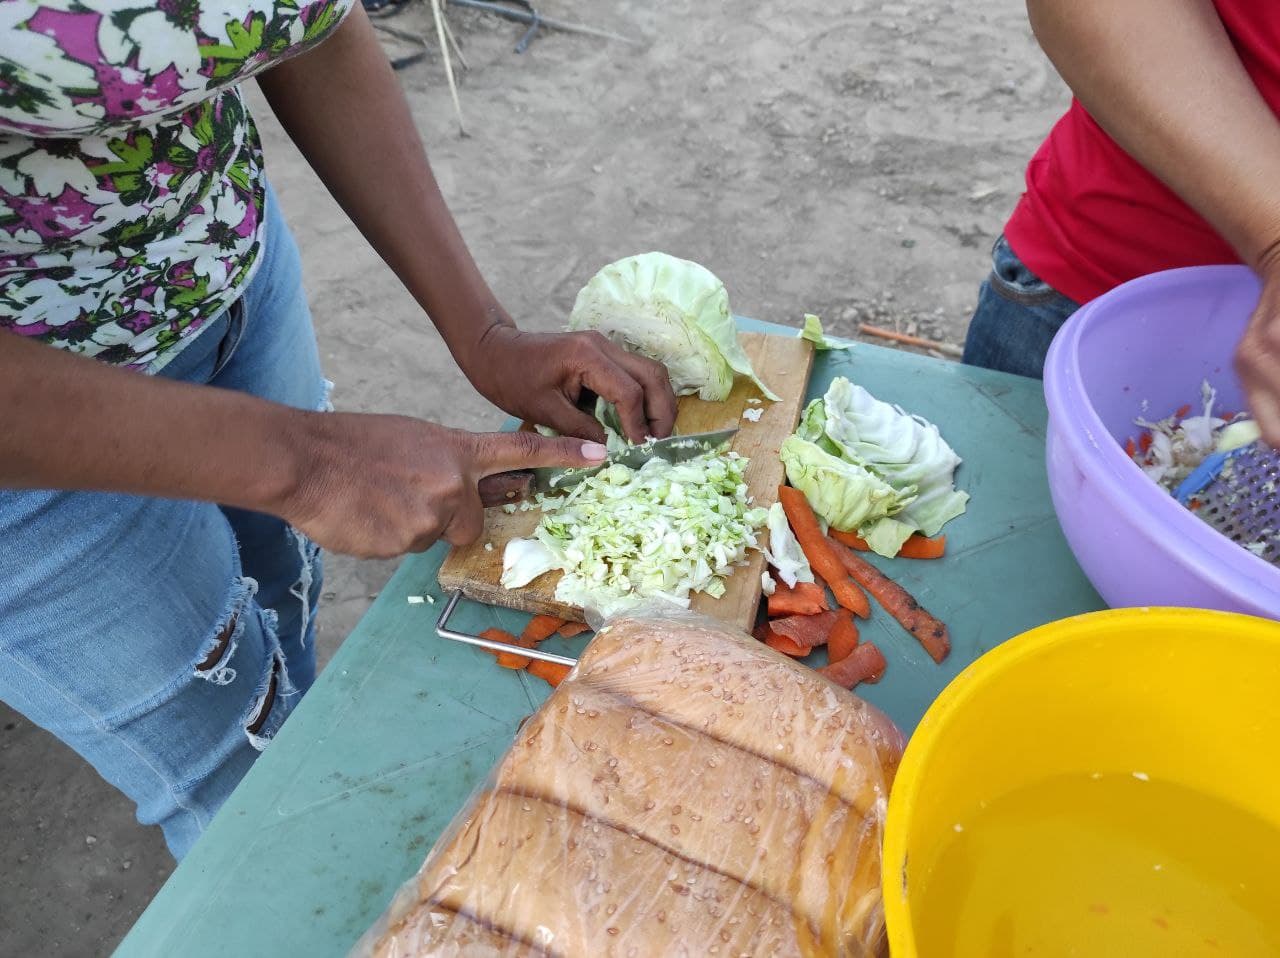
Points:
point(807, 598)
point(922, 547)
point(779, 643)
point(916, 547)
point(552, 673)
point(843, 638)
point(508, 660)
point(570, 629)
point(851, 539)
point(1130, 449)
point(1182, 412)
point(1144, 442)
point(541, 627)
point(821, 555)
point(806, 631)
point(898, 602)
point(865, 664)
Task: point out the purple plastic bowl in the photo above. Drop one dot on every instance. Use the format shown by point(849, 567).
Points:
point(1154, 339)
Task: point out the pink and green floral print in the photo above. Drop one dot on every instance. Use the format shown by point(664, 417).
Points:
point(131, 177)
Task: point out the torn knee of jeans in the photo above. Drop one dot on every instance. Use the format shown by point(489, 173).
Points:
point(215, 655)
point(271, 701)
point(263, 708)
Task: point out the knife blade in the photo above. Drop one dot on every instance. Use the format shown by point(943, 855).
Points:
point(508, 487)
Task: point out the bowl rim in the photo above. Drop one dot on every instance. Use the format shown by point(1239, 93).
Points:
point(907, 791)
point(1201, 548)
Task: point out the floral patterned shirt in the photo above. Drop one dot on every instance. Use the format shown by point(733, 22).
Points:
point(131, 179)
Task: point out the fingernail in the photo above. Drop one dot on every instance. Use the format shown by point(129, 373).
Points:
point(594, 451)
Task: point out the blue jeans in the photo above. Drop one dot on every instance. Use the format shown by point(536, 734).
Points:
point(1017, 316)
point(166, 641)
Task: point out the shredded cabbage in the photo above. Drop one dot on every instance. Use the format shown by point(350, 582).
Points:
point(1177, 445)
point(671, 310)
point(868, 466)
point(625, 535)
point(785, 554)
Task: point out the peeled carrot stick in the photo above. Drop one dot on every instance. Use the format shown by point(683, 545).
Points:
point(866, 664)
point(807, 598)
point(850, 539)
point(508, 660)
point(552, 673)
point(821, 555)
point(922, 547)
point(541, 627)
point(898, 602)
point(916, 547)
point(570, 629)
point(843, 638)
point(806, 631)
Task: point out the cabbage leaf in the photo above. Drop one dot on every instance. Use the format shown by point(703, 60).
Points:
point(868, 466)
point(673, 311)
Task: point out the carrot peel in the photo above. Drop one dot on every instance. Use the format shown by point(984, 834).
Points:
point(866, 664)
point(898, 602)
point(806, 631)
point(807, 598)
point(843, 638)
point(779, 643)
point(541, 628)
point(508, 660)
point(553, 673)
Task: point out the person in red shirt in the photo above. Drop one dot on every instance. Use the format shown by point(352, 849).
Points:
point(1168, 156)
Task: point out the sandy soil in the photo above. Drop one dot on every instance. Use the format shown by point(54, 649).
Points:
point(854, 160)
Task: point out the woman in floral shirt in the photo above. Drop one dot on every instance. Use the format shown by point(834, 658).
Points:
point(158, 537)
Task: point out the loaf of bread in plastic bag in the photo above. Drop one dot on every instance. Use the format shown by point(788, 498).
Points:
point(685, 791)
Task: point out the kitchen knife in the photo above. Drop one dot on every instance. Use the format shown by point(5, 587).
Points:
point(505, 487)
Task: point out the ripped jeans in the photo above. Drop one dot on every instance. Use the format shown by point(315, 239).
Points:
point(166, 641)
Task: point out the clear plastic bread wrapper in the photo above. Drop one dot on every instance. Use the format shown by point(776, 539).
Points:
point(685, 791)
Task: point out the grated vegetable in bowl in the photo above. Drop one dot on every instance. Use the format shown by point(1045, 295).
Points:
point(1171, 448)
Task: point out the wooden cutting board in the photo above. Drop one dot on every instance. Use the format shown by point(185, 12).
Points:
point(784, 362)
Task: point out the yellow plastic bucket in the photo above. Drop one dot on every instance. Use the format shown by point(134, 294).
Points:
point(1104, 785)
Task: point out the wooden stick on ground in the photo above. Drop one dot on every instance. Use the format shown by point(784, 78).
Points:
point(947, 349)
point(522, 16)
point(438, 13)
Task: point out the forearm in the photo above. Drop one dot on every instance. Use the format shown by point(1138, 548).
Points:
point(1163, 80)
point(75, 423)
point(343, 107)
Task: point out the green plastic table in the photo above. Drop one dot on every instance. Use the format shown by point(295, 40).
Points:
point(402, 725)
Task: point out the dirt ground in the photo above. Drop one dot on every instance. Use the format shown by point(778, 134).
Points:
point(854, 160)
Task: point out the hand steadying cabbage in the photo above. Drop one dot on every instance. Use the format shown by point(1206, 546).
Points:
point(673, 311)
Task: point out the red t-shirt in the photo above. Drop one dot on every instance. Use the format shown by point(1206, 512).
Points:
point(1092, 217)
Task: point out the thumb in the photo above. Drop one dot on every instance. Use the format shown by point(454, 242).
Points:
point(509, 451)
